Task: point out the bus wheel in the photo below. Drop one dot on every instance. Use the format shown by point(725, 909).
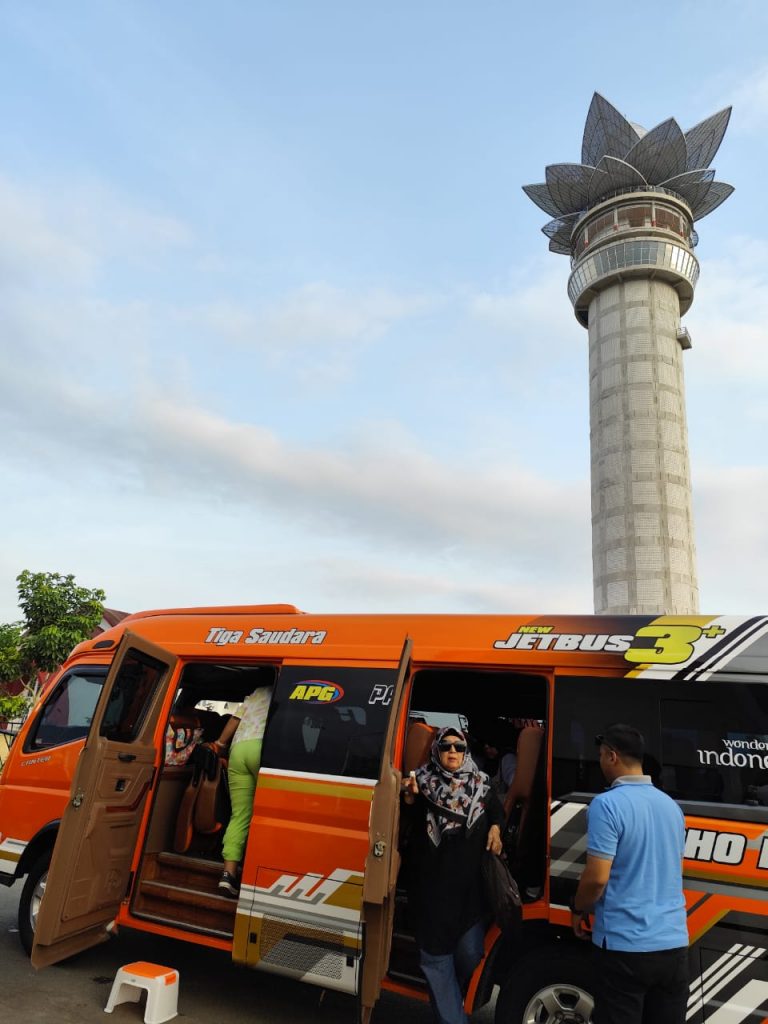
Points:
point(31, 895)
point(552, 987)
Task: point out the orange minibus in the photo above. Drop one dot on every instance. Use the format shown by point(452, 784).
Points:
point(105, 831)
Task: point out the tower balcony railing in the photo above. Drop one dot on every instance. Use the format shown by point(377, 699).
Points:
point(637, 188)
point(632, 258)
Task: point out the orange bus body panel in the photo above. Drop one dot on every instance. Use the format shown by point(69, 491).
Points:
point(310, 835)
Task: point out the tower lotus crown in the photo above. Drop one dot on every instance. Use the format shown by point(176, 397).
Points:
point(618, 155)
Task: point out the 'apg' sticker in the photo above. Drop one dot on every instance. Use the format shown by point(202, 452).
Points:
point(317, 691)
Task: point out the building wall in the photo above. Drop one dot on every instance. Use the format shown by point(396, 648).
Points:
point(643, 552)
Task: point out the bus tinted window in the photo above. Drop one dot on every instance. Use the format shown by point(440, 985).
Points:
point(705, 742)
point(131, 694)
point(69, 709)
point(584, 706)
point(329, 720)
point(715, 743)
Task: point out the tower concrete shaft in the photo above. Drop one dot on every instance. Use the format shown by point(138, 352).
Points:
point(633, 276)
point(625, 215)
point(643, 551)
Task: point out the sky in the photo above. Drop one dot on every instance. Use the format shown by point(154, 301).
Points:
point(278, 324)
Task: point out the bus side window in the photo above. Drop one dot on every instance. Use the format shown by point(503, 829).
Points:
point(68, 711)
point(130, 697)
point(329, 721)
point(584, 706)
point(715, 743)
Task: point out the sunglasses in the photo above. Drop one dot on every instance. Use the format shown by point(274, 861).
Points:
point(444, 747)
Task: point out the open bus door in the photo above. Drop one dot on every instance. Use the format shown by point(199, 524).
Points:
point(383, 862)
point(90, 870)
point(318, 881)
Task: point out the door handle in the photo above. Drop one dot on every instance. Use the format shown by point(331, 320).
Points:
point(126, 757)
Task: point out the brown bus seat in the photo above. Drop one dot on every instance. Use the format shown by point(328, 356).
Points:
point(528, 749)
point(524, 806)
point(419, 738)
point(418, 745)
point(201, 809)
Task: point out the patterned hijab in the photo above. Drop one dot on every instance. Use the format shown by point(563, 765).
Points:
point(455, 800)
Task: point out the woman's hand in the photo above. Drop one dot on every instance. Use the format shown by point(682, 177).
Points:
point(494, 840)
point(410, 788)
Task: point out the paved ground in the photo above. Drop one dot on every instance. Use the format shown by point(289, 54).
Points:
point(212, 989)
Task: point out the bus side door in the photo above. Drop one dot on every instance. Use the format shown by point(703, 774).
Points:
point(90, 869)
point(383, 861)
point(321, 860)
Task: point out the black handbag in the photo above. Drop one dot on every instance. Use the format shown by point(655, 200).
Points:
point(501, 892)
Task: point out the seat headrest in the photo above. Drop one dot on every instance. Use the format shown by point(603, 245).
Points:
point(528, 748)
point(418, 744)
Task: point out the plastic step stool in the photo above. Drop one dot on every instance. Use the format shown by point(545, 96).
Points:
point(160, 983)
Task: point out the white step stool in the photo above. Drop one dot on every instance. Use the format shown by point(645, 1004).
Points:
point(160, 983)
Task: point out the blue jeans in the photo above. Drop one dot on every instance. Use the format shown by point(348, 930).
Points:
point(448, 974)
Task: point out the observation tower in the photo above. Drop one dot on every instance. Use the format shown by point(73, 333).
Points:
point(625, 215)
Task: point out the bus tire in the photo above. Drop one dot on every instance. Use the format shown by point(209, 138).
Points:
point(549, 987)
point(29, 904)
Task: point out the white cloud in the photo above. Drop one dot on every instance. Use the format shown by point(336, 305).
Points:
point(314, 315)
point(396, 493)
point(83, 400)
point(729, 321)
point(533, 308)
point(448, 587)
point(63, 237)
point(379, 484)
point(319, 312)
point(32, 249)
point(730, 517)
point(115, 225)
point(750, 101)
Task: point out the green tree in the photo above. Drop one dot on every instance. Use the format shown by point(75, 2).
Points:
point(11, 704)
point(58, 614)
point(11, 634)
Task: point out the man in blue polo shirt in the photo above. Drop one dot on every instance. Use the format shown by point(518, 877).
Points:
point(633, 883)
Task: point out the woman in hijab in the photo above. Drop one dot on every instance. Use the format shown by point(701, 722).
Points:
point(459, 817)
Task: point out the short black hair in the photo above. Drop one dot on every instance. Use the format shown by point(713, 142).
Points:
point(626, 740)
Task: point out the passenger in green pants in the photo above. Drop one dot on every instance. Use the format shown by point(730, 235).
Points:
point(245, 729)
